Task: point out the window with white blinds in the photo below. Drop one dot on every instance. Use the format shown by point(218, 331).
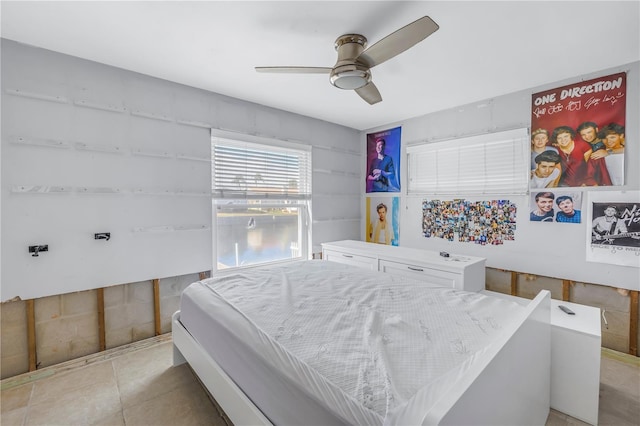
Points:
point(250, 170)
point(496, 163)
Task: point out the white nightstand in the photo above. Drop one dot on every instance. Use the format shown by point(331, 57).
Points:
point(575, 358)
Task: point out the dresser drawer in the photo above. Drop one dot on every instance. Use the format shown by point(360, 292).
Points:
point(351, 259)
point(423, 273)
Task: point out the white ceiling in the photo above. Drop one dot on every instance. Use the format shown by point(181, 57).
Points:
point(482, 49)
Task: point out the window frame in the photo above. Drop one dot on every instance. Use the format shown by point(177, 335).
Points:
point(448, 171)
point(246, 200)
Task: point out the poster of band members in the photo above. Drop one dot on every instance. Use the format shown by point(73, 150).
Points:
point(560, 206)
point(578, 134)
point(613, 231)
point(383, 161)
point(480, 222)
point(382, 220)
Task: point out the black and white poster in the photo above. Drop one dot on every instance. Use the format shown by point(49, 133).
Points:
point(613, 228)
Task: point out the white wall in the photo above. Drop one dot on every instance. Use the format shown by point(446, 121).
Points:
point(72, 129)
point(553, 250)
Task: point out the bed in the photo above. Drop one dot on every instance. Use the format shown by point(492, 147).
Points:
point(321, 343)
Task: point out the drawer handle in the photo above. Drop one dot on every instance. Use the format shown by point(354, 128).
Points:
point(347, 255)
point(415, 269)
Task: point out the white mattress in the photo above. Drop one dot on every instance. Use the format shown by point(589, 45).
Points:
point(317, 342)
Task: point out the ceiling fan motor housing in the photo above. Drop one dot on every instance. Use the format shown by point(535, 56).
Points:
point(347, 73)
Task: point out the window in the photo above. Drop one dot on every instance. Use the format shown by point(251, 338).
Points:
point(261, 200)
point(495, 163)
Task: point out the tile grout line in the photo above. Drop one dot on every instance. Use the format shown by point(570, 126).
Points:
point(28, 407)
point(109, 354)
point(115, 376)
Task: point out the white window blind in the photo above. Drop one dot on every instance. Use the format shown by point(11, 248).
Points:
point(496, 163)
point(248, 170)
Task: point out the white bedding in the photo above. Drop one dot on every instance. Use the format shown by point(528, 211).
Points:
point(348, 345)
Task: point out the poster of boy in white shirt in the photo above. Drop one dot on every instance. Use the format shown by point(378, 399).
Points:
point(547, 171)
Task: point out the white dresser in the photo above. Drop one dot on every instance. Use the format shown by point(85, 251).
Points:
point(461, 272)
point(575, 358)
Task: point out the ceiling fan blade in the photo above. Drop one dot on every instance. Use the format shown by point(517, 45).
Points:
point(398, 41)
point(369, 93)
point(295, 70)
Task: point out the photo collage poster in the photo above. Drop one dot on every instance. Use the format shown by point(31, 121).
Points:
point(613, 231)
point(578, 134)
point(382, 221)
point(556, 205)
point(481, 222)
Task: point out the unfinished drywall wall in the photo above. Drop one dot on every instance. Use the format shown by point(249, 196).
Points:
point(90, 149)
point(617, 327)
point(554, 250)
point(67, 326)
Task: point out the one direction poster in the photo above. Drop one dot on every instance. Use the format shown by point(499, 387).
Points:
point(383, 161)
point(613, 228)
point(382, 221)
point(579, 129)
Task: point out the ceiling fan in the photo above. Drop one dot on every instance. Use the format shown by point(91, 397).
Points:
point(352, 70)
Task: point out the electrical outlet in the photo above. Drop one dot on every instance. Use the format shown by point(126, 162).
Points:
point(37, 249)
point(102, 236)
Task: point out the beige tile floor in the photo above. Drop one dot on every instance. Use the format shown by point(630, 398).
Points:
point(137, 385)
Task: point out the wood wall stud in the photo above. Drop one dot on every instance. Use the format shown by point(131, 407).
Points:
point(31, 335)
point(101, 323)
point(514, 283)
point(633, 320)
point(156, 306)
point(566, 287)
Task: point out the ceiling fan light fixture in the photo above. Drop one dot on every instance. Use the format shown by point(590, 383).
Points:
point(352, 69)
point(350, 80)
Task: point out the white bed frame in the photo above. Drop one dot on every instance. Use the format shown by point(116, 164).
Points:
point(508, 384)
